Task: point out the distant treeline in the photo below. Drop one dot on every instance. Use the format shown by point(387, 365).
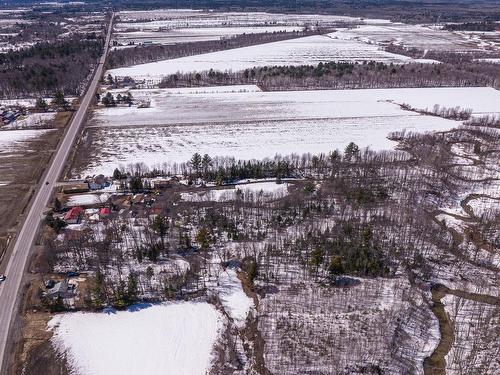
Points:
point(410, 11)
point(472, 26)
point(144, 54)
point(46, 67)
point(345, 75)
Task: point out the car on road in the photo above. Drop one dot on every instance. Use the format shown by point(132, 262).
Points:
point(2, 278)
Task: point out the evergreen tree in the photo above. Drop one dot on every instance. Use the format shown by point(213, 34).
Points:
point(132, 287)
point(117, 175)
point(206, 162)
point(351, 152)
point(136, 185)
point(59, 101)
point(160, 227)
point(195, 162)
point(41, 104)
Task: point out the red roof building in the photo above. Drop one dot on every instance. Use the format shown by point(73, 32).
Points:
point(105, 211)
point(73, 215)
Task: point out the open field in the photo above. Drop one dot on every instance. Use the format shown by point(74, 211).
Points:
point(174, 338)
point(187, 35)
point(310, 50)
point(24, 153)
point(181, 18)
point(415, 36)
point(181, 26)
point(254, 125)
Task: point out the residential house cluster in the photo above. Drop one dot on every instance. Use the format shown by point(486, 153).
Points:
point(9, 114)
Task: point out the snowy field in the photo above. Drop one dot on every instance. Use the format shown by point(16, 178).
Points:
point(169, 338)
point(181, 18)
point(417, 36)
point(166, 26)
point(87, 199)
point(255, 125)
point(310, 50)
point(11, 140)
point(267, 190)
point(187, 35)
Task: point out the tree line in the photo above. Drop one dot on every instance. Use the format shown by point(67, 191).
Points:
point(347, 75)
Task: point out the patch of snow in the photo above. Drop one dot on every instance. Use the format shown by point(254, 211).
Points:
point(87, 199)
point(233, 298)
point(168, 338)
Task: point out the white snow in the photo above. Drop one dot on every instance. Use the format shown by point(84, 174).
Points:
point(11, 140)
point(309, 50)
point(416, 36)
point(169, 338)
point(265, 188)
point(256, 125)
point(86, 199)
point(154, 34)
point(233, 298)
point(452, 222)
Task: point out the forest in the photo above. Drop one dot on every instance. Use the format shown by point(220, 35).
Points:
point(347, 75)
point(46, 67)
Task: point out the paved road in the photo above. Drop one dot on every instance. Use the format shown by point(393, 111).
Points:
point(17, 263)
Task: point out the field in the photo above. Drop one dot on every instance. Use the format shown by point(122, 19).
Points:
point(181, 18)
point(310, 50)
point(181, 26)
point(187, 35)
point(174, 338)
point(211, 229)
point(254, 125)
point(25, 147)
point(416, 36)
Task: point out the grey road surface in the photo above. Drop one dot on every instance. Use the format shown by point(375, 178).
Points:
point(9, 289)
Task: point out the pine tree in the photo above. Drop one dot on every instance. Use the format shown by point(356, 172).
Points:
point(195, 162)
point(41, 104)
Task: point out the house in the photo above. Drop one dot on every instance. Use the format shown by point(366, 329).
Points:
point(105, 211)
point(161, 183)
point(74, 215)
point(60, 289)
point(98, 182)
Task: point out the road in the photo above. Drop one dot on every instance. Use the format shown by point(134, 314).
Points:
point(9, 289)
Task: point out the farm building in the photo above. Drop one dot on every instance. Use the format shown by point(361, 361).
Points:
point(73, 216)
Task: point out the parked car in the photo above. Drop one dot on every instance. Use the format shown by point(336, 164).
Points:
point(2, 278)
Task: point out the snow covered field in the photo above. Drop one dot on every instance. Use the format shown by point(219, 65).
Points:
point(267, 190)
point(310, 50)
point(255, 125)
point(87, 199)
point(168, 338)
point(416, 36)
point(180, 18)
point(10, 140)
point(188, 35)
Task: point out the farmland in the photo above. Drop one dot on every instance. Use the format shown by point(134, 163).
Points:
point(307, 50)
point(255, 125)
point(257, 192)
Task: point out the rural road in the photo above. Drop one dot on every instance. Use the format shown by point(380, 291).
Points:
point(9, 289)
